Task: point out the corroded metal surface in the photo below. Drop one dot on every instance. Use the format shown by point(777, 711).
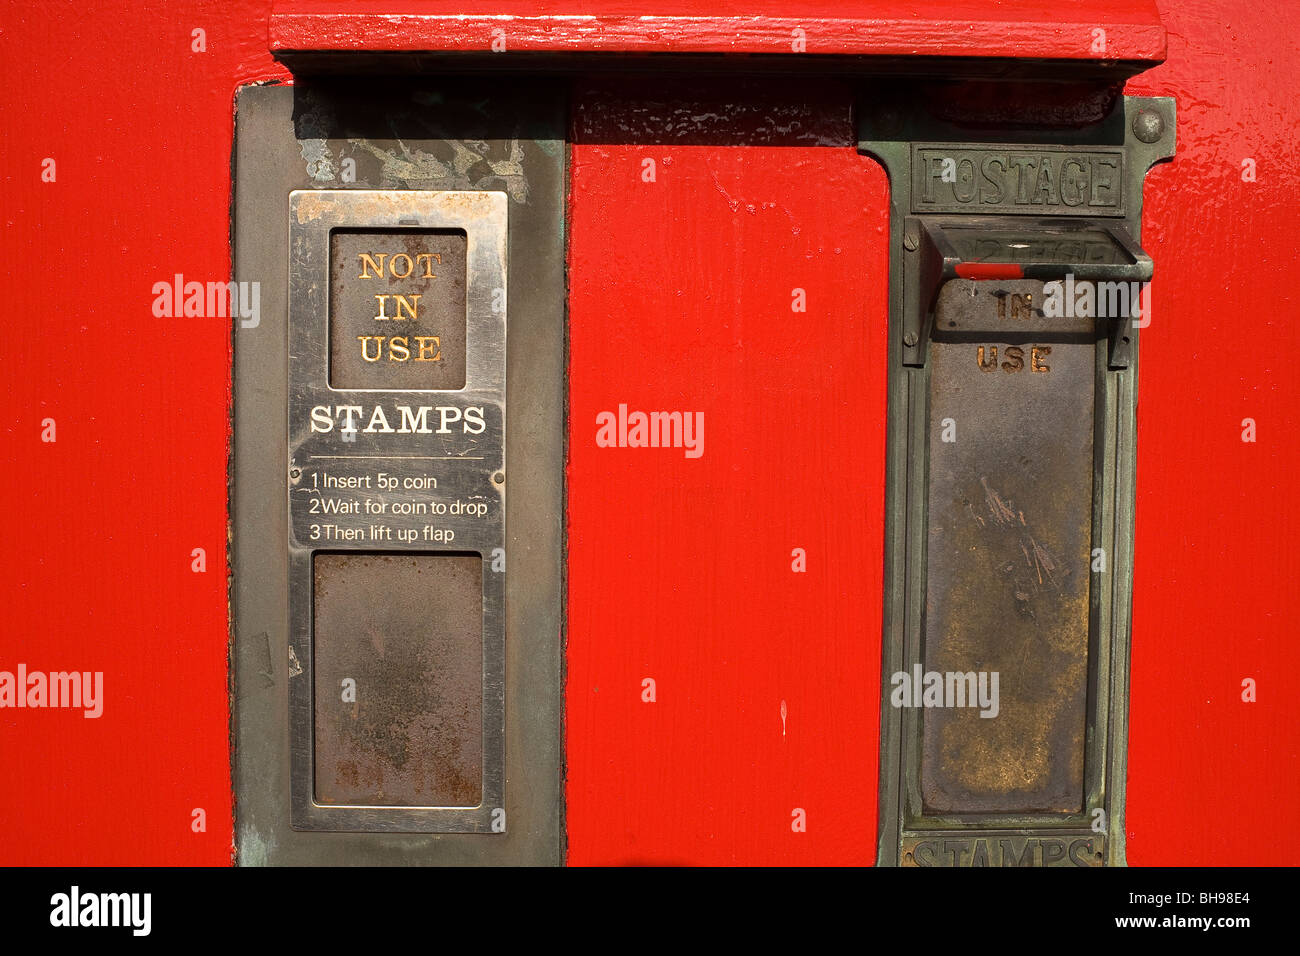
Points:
point(398, 643)
point(991, 535)
point(439, 135)
point(1057, 245)
point(397, 309)
point(1032, 180)
point(388, 470)
point(996, 848)
point(1009, 533)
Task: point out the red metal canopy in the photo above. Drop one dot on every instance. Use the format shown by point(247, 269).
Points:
point(1105, 32)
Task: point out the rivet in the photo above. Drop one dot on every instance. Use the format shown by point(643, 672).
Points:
point(1148, 126)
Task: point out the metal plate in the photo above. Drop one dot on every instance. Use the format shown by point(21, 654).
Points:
point(419, 135)
point(1004, 848)
point(1021, 179)
point(1067, 247)
point(387, 469)
point(1010, 523)
point(397, 309)
point(960, 596)
point(398, 645)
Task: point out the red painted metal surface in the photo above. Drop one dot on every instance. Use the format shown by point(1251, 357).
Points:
point(1063, 29)
point(96, 567)
point(680, 568)
point(989, 270)
point(1214, 779)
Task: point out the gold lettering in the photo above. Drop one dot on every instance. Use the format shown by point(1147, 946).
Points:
point(378, 348)
point(1021, 307)
point(1035, 353)
point(993, 358)
point(368, 260)
point(392, 266)
point(397, 344)
point(429, 258)
point(1016, 359)
point(382, 307)
point(410, 302)
point(421, 343)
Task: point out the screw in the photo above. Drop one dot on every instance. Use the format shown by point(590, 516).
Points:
point(499, 478)
point(295, 473)
point(910, 242)
point(1148, 126)
point(909, 339)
